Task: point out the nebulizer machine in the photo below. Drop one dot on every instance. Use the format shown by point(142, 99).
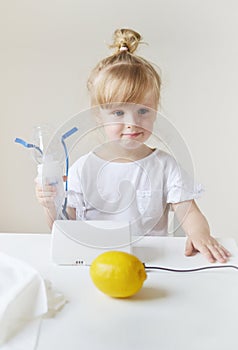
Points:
point(50, 155)
point(72, 242)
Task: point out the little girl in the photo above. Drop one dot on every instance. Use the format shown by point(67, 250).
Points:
point(124, 179)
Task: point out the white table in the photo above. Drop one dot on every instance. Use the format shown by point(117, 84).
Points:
point(173, 311)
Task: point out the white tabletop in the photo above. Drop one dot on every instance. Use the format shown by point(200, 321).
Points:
point(172, 311)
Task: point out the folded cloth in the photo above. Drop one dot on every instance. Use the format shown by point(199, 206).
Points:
point(24, 298)
point(26, 338)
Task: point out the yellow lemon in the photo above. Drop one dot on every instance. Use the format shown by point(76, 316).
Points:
point(118, 274)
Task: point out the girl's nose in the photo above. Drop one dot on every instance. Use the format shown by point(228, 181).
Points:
point(130, 119)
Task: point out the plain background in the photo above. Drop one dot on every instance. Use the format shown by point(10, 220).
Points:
point(47, 51)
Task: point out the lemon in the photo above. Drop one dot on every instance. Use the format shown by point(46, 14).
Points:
point(118, 274)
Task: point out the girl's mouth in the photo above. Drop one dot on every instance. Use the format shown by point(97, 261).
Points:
point(132, 135)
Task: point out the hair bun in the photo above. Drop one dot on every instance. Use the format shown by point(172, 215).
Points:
point(127, 39)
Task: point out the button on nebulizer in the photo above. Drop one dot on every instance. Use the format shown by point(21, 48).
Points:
point(47, 152)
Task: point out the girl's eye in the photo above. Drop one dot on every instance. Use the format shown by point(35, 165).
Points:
point(143, 111)
point(118, 113)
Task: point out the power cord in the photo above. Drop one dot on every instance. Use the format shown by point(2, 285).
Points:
point(189, 270)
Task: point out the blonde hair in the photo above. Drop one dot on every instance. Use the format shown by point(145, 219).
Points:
point(123, 76)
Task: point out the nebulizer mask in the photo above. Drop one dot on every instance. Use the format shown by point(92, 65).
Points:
point(51, 156)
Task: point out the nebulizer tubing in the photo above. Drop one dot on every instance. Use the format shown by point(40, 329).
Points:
point(63, 138)
point(28, 145)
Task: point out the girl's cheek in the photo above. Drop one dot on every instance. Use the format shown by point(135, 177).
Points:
point(148, 127)
point(112, 132)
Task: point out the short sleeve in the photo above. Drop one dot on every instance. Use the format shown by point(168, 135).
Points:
point(180, 185)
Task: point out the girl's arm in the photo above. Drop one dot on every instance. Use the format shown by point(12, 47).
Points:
point(197, 230)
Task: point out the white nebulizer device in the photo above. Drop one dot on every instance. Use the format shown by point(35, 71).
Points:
point(48, 153)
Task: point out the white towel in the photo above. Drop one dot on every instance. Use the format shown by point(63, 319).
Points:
point(24, 299)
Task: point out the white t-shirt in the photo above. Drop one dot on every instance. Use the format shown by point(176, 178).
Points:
point(139, 192)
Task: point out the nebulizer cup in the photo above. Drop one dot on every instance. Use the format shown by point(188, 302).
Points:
point(49, 165)
point(49, 152)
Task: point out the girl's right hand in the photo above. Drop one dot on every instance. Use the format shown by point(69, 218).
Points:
point(45, 195)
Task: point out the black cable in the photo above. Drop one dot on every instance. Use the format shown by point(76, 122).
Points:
point(189, 270)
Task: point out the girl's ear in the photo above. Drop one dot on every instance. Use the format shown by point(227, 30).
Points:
point(97, 115)
point(99, 119)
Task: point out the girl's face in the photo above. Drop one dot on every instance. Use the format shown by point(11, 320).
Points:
point(129, 121)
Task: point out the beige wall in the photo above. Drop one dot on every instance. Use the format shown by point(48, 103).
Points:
point(47, 50)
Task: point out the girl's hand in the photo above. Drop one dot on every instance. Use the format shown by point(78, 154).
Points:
point(208, 246)
point(197, 229)
point(45, 195)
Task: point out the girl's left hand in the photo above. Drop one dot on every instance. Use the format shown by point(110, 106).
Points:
point(209, 247)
